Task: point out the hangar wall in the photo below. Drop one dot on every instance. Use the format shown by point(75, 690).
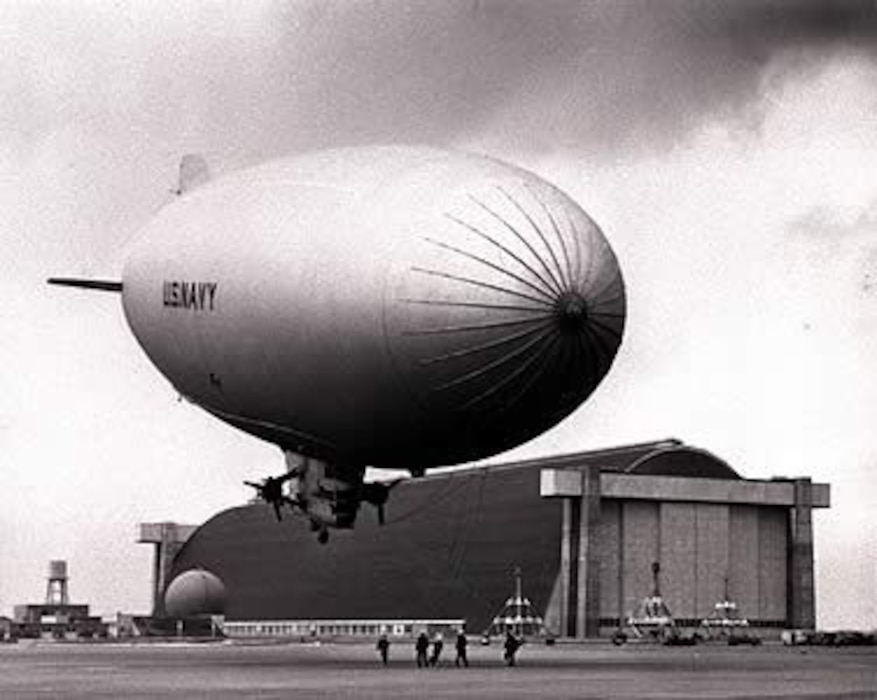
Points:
point(448, 551)
point(715, 538)
point(586, 548)
point(698, 545)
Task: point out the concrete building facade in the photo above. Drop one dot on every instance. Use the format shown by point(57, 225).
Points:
point(168, 539)
point(713, 537)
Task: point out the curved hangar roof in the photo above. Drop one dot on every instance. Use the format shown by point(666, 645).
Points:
point(680, 460)
point(669, 457)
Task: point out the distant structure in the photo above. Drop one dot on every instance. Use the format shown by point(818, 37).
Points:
point(725, 620)
point(196, 601)
point(56, 588)
point(168, 539)
point(56, 618)
point(517, 616)
point(652, 617)
point(194, 593)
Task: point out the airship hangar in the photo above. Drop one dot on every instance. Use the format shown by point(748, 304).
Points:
point(584, 532)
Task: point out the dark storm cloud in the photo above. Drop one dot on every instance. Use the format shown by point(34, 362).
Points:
point(803, 22)
point(559, 74)
point(595, 76)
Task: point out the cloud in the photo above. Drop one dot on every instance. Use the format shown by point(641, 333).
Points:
point(601, 76)
point(270, 78)
point(807, 23)
point(832, 223)
point(645, 76)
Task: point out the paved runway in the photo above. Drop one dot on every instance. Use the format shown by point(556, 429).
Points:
point(231, 670)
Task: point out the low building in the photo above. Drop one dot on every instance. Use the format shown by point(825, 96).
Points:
point(56, 618)
point(39, 620)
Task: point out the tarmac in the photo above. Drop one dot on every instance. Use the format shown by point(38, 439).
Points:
point(238, 670)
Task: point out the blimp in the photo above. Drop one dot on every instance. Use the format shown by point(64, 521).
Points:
point(395, 307)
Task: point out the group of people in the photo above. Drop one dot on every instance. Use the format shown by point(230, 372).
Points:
point(425, 659)
point(421, 648)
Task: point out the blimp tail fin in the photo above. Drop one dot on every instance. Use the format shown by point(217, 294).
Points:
point(100, 285)
point(193, 173)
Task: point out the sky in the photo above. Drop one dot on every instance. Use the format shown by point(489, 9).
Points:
point(728, 151)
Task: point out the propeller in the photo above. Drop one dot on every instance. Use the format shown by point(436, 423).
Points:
point(376, 493)
point(271, 492)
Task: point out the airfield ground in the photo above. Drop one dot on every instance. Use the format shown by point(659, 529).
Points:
point(233, 670)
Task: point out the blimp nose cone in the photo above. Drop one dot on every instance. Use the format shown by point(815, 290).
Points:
point(571, 310)
point(507, 314)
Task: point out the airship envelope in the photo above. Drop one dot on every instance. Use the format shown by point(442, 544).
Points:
point(391, 306)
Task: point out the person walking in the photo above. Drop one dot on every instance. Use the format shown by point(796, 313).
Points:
point(511, 648)
point(421, 646)
point(437, 644)
point(461, 644)
point(383, 647)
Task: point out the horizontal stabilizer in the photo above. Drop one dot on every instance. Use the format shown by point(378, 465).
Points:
point(101, 285)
